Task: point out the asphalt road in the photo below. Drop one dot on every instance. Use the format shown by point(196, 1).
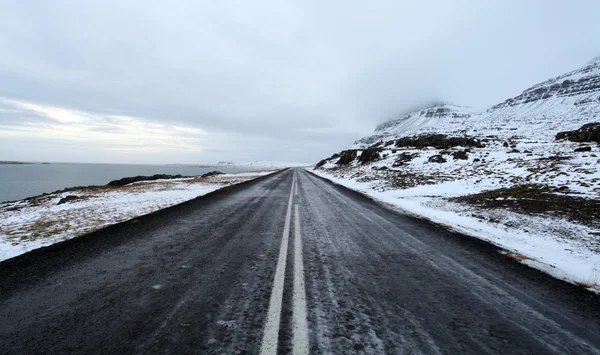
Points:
point(288, 263)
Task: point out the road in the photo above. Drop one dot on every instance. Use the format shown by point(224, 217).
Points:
point(288, 263)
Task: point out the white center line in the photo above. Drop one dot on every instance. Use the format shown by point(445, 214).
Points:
point(300, 326)
point(271, 331)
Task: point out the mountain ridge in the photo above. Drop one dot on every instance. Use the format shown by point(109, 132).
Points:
point(563, 102)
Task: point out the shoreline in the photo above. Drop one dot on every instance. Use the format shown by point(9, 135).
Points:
point(35, 222)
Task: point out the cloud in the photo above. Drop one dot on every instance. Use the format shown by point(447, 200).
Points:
point(293, 80)
point(111, 133)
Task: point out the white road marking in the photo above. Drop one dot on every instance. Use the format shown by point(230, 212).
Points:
point(271, 331)
point(300, 326)
point(296, 188)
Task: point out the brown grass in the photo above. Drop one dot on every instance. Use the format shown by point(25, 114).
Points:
point(517, 256)
point(585, 284)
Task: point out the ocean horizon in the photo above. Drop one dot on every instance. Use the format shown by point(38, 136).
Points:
point(28, 179)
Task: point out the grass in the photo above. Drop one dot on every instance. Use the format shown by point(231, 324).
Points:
point(538, 199)
point(517, 256)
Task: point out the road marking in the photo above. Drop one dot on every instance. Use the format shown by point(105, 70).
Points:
point(271, 331)
point(300, 326)
point(296, 188)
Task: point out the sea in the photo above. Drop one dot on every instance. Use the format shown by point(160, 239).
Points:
point(19, 181)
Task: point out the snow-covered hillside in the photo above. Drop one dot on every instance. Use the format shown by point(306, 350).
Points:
point(565, 102)
point(499, 174)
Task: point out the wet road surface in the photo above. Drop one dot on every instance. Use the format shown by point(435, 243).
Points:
point(287, 263)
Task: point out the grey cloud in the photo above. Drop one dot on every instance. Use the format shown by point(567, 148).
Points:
point(309, 74)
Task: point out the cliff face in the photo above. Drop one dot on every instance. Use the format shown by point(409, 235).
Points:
point(582, 84)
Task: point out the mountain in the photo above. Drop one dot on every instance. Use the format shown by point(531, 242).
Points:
point(427, 119)
point(565, 102)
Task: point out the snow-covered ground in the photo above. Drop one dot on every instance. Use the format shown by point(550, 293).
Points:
point(537, 198)
point(562, 248)
point(29, 224)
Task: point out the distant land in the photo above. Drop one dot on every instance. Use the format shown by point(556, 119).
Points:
point(254, 165)
point(14, 162)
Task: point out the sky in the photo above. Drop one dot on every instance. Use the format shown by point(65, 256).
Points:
point(143, 81)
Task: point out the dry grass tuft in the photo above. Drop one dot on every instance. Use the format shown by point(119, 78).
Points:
point(517, 256)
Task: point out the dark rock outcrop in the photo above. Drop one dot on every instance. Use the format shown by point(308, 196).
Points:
point(587, 133)
point(437, 159)
point(583, 149)
point(439, 141)
point(212, 173)
point(461, 154)
point(128, 180)
point(347, 157)
point(321, 163)
point(369, 155)
point(69, 198)
point(404, 158)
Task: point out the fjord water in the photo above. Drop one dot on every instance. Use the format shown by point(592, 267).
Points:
point(18, 181)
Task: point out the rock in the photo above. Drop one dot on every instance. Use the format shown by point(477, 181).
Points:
point(128, 180)
point(369, 155)
point(461, 154)
point(583, 149)
point(347, 157)
point(437, 159)
point(69, 198)
point(403, 158)
point(321, 163)
point(587, 133)
point(439, 141)
point(212, 173)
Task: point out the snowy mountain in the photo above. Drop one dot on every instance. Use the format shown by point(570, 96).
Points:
point(430, 118)
point(565, 102)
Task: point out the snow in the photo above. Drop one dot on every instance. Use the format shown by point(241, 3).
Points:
point(537, 114)
point(30, 224)
point(519, 150)
point(540, 239)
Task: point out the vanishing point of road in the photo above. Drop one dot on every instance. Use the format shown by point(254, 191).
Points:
point(286, 264)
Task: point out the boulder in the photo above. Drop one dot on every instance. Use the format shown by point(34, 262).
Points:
point(369, 155)
point(461, 154)
point(587, 133)
point(69, 198)
point(437, 159)
point(346, 157)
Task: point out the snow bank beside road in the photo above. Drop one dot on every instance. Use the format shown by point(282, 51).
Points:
point(556, 246)
point(30, 224)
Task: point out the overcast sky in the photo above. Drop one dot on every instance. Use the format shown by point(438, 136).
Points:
point(140, 81)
